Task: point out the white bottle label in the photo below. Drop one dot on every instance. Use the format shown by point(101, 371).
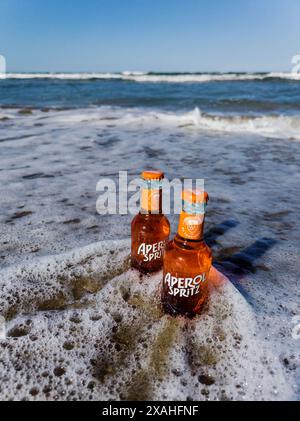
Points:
point(152, 251)
point(184, 287)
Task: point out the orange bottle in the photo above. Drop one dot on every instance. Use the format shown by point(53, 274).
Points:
point(187, 260)
point(150, 229)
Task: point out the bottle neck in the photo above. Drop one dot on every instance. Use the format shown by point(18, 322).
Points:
point(191, 226)
point(151, 201)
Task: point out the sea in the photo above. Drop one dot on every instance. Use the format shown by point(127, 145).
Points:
point(77, 322)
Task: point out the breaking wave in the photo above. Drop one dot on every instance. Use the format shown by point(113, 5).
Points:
point(274, 126)
point(160, 77)
point(271, 126)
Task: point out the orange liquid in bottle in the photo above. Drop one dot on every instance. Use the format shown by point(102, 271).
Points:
point(150, 229)
point(187, 260)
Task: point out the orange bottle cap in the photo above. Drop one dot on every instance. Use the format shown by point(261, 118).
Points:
point(195, 196)
point(152, 175)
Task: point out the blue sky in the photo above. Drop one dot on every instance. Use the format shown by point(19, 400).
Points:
point(159, 35)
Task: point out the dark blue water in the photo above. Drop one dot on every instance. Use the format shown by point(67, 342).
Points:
point(268, 96)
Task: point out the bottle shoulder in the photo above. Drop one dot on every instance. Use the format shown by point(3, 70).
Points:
point(185, 261)
point(188, 248)
point(150, 220)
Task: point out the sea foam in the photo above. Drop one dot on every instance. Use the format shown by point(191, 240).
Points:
point(83, 325)
point(270, 126)
point(80, 323)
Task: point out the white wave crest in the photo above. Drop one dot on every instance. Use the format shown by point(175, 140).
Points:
point(275, 126)
point(157, 78)
point(271, 126)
